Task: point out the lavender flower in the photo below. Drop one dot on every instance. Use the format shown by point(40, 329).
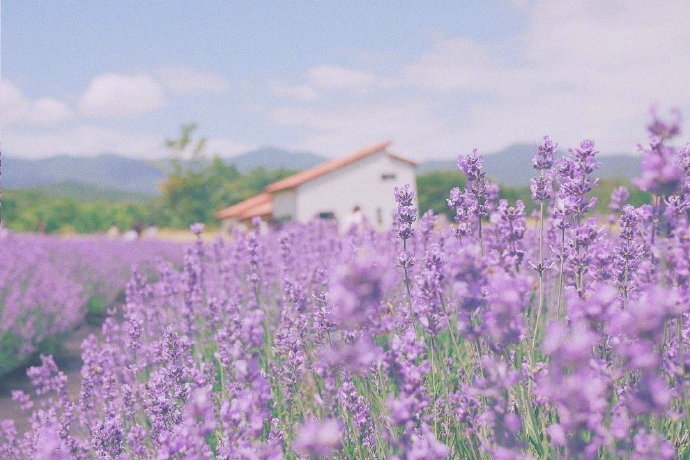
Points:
point(319, 438)
point(661, 172)
point(404, 217)
point(406, 214)
point(619, 196)
point(472, 165)
point(510, 230)
point(663, 129)
point(355, 358)
point(197, 228)
point(308, 343)
point(541, 187)
point(546, 155)
point(356, 293)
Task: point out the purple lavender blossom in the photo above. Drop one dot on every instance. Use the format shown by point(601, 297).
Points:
point(575, 181)
point(510, 230)
point(306, 343)
point(406, 214)
point(541, 187)
point(507, 299)
point(664, 129)
point(357, 357)
point(318, 438)
point(619, 196)
point(356, 293)
point(661, 172)
point(472, 165)
point(197, 228)
point(546, 155)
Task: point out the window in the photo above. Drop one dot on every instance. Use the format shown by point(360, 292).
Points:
point(388, 176)
point(328, 215)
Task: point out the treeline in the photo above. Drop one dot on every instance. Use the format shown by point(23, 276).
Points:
point(433, 189)
point(194, 193)
point(190, 194)
point(196, 187)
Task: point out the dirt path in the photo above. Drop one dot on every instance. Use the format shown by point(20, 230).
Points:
point(69, 362)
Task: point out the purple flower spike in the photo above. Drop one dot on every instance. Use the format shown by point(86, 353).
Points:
point(406, 214)
point(472, 165)
point(619, 196)
point(197, 228)
point(664, 129)
point(546, 155)
point(319, 438)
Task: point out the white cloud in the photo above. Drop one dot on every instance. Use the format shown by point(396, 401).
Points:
point(91, 140)
point(48, 111)
point(579, 70)
point(338, 77)
point(298, 92)
point(83, 140)
point(329, 78)
point(456, 64)
point(414, 124)
point(113, 95)
point(186, 80)
point(226, 147)
point(17, 109)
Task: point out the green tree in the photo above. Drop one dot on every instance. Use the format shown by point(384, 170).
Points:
point(186, 150)
point(433, 189)
point(196, 187)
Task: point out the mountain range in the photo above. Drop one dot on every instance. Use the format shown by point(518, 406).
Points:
point(116, 172)
point(510, 166)
point(513, 165)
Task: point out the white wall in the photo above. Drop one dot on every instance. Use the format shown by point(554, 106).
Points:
point(359, 184)
point(284, 205)
point(228, 224)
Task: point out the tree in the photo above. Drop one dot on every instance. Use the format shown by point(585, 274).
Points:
point(195, 187)
point(185, 150)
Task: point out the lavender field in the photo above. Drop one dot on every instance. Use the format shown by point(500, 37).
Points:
point(561, 335)
point(49, 285)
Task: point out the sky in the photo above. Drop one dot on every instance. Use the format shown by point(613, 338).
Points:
point(437, 78)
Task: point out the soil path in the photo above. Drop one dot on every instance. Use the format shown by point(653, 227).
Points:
point(69, 362)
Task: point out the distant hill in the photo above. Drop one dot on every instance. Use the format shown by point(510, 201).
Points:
point(274, 158)
point(112, 172)
point(513, 165)
point(107, 171)
point(90, 192)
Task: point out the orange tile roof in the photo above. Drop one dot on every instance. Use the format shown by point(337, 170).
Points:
point(263, 209)
point(399, 158)
point(262, 204)
point(319, 170)
point(244, 209)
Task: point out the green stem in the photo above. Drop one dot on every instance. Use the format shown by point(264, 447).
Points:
point(541, 275)
point(560, 276)
point(481, 240)
point(407, 278)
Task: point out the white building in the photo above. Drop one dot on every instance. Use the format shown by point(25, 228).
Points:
point(332, 190)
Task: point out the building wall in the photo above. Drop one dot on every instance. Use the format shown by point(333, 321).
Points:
point(359, 184)
point(227, 225)
point(284, 205)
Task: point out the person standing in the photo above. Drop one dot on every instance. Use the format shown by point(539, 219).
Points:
point(355, 221)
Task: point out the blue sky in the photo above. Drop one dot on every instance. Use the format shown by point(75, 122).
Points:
point(437, 78)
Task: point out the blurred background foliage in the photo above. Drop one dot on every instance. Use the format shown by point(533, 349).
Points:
point(196, 186)
point(187, 196)
point(193, 196)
